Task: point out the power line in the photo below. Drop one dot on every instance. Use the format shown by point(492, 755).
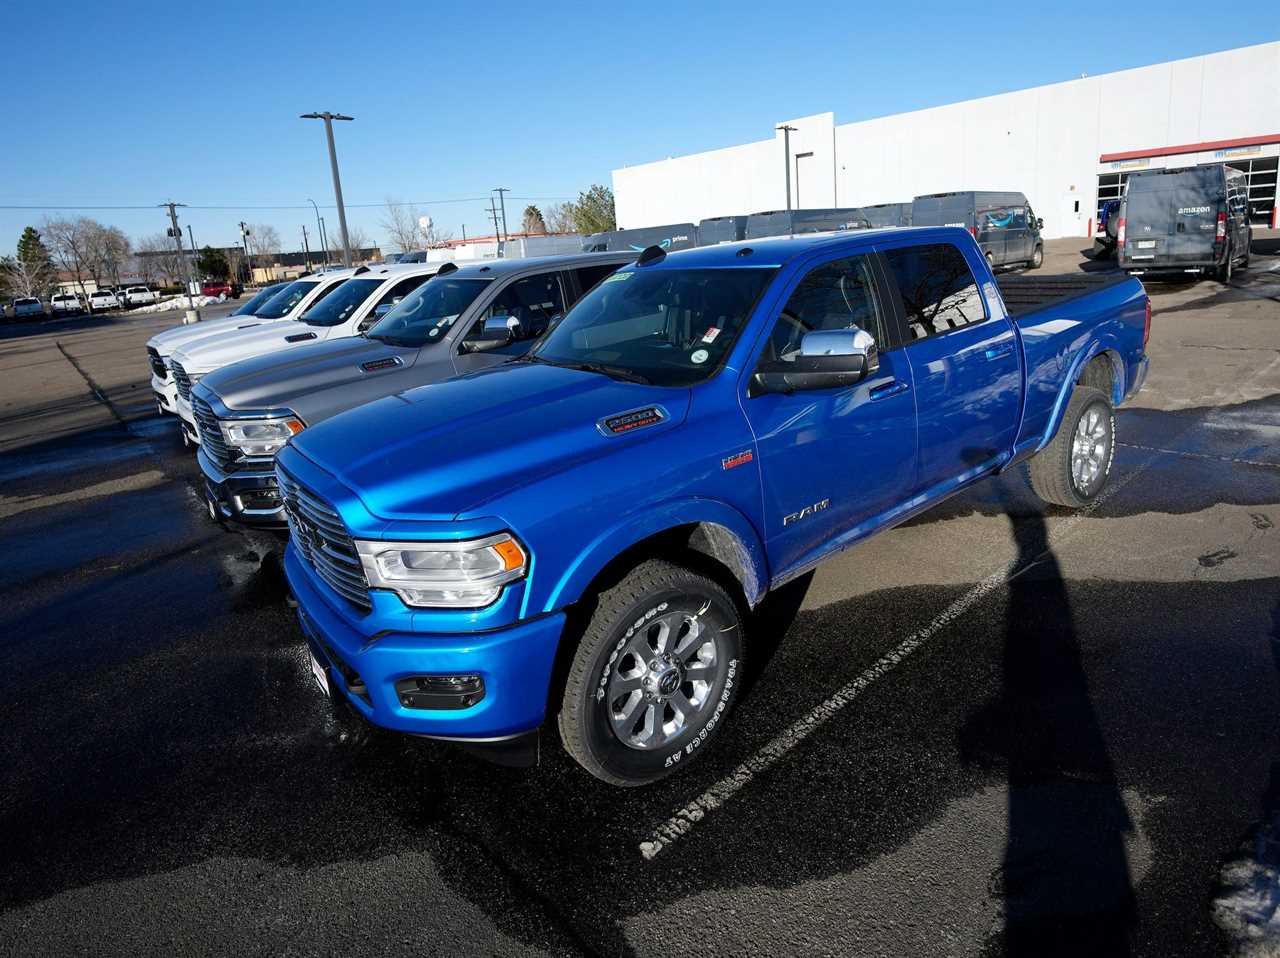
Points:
point(330, 206)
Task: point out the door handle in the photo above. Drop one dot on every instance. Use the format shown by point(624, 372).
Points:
point(999, 352)
point(892, 388)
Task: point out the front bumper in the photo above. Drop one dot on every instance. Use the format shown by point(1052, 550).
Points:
point(514, 662)
point(251, 498)
point(166, 393)
point(186, 419)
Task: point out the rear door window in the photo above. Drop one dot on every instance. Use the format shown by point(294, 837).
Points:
point(938, 290)
point(588, 276)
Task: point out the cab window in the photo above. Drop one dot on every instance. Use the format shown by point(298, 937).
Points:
point(938, 290)
point(836, 295)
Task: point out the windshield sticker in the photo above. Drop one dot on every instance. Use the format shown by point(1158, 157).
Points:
point(618, 278)
point(710, 335)
point(699, 356)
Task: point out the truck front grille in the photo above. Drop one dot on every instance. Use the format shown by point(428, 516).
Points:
point(182, 381)
point(321, 538)
point(211, 438)
point(157, 364)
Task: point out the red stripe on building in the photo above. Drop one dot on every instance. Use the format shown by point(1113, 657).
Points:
point(1189, 148)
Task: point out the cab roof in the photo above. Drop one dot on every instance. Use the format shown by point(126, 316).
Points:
point(775, 251)
point(493, 268)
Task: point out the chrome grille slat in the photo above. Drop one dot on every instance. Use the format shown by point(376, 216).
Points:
point(182, 381)
point(334, 559)
point(211, 438)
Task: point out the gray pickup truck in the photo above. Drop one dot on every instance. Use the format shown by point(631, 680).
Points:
point(464, 319)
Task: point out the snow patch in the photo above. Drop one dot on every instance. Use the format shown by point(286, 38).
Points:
point(1248, 904)
point(180, 302)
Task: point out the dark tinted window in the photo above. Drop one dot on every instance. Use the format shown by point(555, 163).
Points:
point(429, 312)
point(264, 295)
point(282, 302)
point(937, 287)
point(669, 327)
point(835, 295)
point(588, 276)
point(346, 299)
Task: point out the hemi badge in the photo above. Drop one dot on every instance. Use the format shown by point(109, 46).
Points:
point(741, 459)
point(374, 365)
point(631, 420)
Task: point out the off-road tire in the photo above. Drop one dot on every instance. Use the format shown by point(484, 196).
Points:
point(1050, 470)
point(621, 613)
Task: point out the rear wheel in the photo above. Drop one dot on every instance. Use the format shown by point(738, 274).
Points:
point(658, 667)
point(991, 262)
point(1073, 469)
point(1224, 271)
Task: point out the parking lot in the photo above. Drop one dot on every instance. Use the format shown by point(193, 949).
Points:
point(1001, 727)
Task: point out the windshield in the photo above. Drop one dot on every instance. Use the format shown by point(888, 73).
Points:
point(282, 302)
point(334, 310)
point(426, 314)
point(264, 295)
point(668, 327)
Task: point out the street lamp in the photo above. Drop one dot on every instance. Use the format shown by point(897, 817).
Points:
point(319, 229)
point(337, 182)
point(786, 147)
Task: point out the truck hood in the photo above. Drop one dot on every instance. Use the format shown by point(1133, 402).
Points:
point(275, 380)
point(214, 352)
point(437, 451)
point(171, 339)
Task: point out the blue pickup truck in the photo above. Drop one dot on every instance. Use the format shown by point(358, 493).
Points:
point(580, 533)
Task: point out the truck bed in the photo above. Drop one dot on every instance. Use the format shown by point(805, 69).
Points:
point(1027, 294)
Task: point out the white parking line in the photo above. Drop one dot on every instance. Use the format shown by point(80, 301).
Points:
point(686, 818)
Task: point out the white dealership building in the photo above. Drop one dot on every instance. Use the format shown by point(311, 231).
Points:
point(1068, 146)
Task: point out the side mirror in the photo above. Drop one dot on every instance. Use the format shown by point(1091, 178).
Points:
point(827, 359)
point(1039, 223)
point(496, 331)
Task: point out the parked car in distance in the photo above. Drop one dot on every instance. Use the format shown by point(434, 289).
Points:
point(285, 307)
point(578, 534)
point(247, 410)
point(1005, 226)
point(101, 300)
point(221, 288)
point(140, 296)
point(27, 307)
point(1186, 220)
point(162, 345)
point(66, 304)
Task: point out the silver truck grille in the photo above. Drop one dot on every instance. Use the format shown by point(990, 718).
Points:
point(321, 538)
point(211, 438)
point(183, 381)
point(157, 364)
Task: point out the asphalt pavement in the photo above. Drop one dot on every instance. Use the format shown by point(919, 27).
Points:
point(1001, 728)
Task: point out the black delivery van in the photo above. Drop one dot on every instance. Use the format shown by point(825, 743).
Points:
point(795, 222)
point(671, 237)
point(1193, 219)
point(721, 229)
point(888, 214)
point(1004, 224)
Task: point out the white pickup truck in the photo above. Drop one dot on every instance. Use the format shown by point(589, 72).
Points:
point(140, 296)
point(275, 304)
point(345, 308)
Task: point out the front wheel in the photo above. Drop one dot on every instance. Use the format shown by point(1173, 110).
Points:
point(1037, 258)
point(1073, 469)
point(657, 670)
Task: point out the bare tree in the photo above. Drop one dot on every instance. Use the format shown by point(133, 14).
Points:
point(25, 277)
point(400, 222)
point(235, 262)
point(158, 258)
point(358, 238)
point(559, 218)
point(264, 244)
point(435, 236)
point(68, 241)
point(108, 250)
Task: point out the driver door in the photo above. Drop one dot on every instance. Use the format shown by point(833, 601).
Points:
point(532, 302)
point(833, 459)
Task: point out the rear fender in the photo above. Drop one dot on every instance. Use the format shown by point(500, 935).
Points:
point(723, 533)
point(1107, 345)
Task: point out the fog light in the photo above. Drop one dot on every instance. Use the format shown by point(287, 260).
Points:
point(440, 691)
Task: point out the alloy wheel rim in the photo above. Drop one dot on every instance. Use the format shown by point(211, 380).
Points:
point(663, 679)
point(1090, 449)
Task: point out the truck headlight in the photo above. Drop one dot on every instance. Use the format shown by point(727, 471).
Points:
point(260, 437)
point(452, 575)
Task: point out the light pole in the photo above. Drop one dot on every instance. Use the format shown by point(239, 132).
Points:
point(324, 241)
point(337, 182)
point(786, 148)
point(320, 231)
point(306, 250)
point(244, 238)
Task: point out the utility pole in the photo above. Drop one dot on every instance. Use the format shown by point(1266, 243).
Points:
point(502, 200)
point(464, 232)
point(320, 230)
point(306, 250)
point(244, 238)
point(195, 255)
point(176, 232)
point(337, 182)
point(786, 149)
point(324, 241)
point(493, 215)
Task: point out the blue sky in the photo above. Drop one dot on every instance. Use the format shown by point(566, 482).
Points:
point(124, 104)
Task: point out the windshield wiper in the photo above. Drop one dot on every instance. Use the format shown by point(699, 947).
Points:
point(389, 340)
point(613, 372)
